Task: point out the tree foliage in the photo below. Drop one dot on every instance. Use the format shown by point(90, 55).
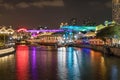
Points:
point(109, 32)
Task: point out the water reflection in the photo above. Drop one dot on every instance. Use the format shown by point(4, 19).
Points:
point(7, 68)
point(33, 63)
point(64, 63)
point(22, 61)
point(43, 63)
point(68, 68)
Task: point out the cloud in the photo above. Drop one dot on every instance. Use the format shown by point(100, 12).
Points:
point(39, 4)
point(94, 3)
point(7, 6)
point(55, 3)
point(99, 3)
point(22, 5)
point(108, 4)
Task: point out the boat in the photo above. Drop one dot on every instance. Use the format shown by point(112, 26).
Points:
point(7, 50)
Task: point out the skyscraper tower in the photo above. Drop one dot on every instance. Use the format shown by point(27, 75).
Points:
point(116, 11)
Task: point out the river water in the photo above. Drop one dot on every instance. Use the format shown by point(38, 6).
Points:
point(64, 63)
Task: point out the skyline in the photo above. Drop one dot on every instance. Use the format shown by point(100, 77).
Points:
point(51, 13)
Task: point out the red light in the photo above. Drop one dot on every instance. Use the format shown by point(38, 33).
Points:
point(22, 29)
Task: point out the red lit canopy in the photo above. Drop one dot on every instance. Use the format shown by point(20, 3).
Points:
point(22, 30)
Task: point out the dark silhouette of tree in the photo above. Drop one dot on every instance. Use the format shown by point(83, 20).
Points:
point(88, 22)
point(110, 31)
point(73, 21)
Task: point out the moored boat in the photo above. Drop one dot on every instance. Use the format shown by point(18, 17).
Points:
point(7, 50)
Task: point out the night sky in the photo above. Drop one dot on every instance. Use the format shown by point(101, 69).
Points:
point(51, 13)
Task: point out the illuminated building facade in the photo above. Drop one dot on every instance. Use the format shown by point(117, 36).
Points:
point(116, 10)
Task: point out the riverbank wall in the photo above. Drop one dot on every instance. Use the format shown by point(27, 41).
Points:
point(107, 50)
point(104, 49)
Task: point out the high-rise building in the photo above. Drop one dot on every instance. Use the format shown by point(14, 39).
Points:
point(116, 10)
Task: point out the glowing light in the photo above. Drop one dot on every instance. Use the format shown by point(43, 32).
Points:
point(79, 28)
point(8, 50)
point(32, 31)
point(86, 50)
point(22, 29)
point(10, 31)
point(114, 73)
point(22, 62)
point(3, 30)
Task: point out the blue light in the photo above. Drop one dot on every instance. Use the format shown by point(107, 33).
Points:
point(114, 73)
point(79, 28)
point(86, 50)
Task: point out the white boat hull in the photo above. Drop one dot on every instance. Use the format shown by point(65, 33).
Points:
point(7, 50)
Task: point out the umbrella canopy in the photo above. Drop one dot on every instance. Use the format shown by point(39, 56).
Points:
point(88, 34)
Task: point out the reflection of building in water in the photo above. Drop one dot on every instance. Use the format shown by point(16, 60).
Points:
point(116, 10)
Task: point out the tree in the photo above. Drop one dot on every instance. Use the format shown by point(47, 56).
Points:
point(73, 21)
point(110, 31)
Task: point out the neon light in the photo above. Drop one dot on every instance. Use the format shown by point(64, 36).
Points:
point(22, 29)
point(79, 28)
point(22, 62)
point(34, 65)
point(45, 31)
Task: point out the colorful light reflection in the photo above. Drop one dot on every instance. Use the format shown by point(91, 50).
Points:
point(22, 61)
point(67, 64)
point(33, 31)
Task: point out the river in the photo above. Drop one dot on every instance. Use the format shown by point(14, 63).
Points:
point(63, 63)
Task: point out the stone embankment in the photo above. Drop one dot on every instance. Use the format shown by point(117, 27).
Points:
point(104, 49)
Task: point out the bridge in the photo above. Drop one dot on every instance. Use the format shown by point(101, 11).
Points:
point(68, 33)
point(38, 31)
point(79, 28)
